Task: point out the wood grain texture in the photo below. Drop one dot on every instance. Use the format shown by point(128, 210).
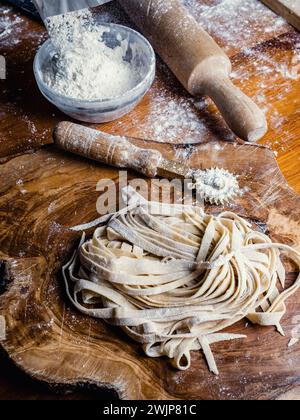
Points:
point(265, 67)
point(44, 193)
point(49, 340)
point(289, 9)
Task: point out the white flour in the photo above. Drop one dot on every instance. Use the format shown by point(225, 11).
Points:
point(84, 67)
point(171, 114)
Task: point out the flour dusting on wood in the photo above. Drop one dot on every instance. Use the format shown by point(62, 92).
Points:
point(171, 114)
point(233, 23)
point(174, 116)
point(10, 27)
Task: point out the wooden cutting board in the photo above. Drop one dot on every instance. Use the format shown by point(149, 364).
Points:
point(289, 9)
point(42, 194)
point(51, 341)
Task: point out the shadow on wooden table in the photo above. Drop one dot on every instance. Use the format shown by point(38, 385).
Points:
point(16, 385)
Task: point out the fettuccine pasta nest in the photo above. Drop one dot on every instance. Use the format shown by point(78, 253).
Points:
point(173, 278)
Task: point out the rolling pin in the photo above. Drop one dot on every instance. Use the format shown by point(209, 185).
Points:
point(197, 61)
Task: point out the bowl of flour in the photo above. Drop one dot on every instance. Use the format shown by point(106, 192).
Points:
point(91, 71)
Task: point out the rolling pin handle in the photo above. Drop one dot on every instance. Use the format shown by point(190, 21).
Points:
point(241, 114)
point(102, 147)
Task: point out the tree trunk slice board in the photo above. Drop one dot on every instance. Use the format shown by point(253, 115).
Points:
point(289, 9)
point(48, 339)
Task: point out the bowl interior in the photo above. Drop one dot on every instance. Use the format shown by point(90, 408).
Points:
point(138, 52)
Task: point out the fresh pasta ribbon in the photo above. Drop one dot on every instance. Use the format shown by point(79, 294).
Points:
point(173, 278)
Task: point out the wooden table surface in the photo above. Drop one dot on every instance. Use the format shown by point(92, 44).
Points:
point(266, 56)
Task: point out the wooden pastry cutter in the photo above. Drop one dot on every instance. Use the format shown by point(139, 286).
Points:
point(215, 185)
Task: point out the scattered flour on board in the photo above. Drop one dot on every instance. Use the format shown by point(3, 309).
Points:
point(173, 114)
point(9, 27)
point(19, 52)
point(12, 24)
point(234, 22)
point(237, 25)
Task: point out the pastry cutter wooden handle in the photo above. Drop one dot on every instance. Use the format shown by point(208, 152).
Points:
point(116, 151)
